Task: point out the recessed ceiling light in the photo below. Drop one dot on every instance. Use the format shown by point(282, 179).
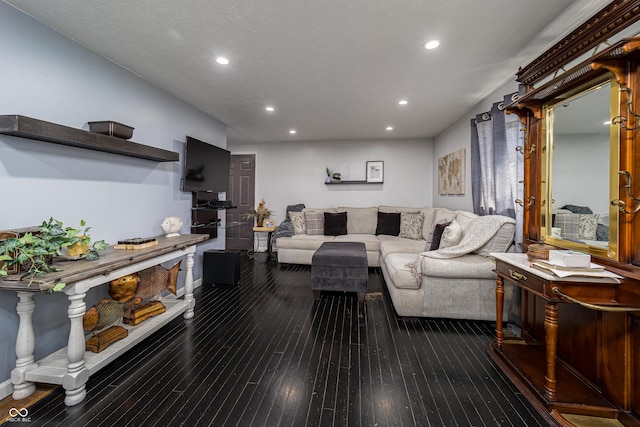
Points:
point(222, 60)
point(292, 131)
point(432, 44)
point(269, 108)
point(389, 127)
point(403, 102)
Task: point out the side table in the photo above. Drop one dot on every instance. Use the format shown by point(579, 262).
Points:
point(263, 229)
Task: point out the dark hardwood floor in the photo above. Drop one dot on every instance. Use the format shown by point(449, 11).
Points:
point(264, 353)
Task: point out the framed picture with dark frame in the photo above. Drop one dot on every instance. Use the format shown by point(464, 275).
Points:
point(375, 171)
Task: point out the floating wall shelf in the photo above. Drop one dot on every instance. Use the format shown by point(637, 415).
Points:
point(351, 182)
point(26, 127)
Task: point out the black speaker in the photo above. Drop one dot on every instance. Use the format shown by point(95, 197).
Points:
point(221, 267)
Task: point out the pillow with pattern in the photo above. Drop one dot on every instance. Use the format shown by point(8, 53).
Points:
point(411, 225)
point(587, 226)
point(315, 223)
point(299, 224)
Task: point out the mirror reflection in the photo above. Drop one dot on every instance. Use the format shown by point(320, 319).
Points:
point(579, 166)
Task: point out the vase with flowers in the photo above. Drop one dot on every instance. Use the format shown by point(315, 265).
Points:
point(260, 213)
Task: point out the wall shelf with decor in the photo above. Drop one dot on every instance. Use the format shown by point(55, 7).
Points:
point(40, 130)
point(352, 182)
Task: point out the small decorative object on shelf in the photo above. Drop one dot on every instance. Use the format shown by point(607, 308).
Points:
point(328, 178)
point(112, 129)
point(260, 213)
point(171, 226)
point(336, 177)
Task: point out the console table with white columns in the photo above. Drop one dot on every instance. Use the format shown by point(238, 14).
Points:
point(71, 366)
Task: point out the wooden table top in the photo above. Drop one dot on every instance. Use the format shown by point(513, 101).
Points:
point(110, 259)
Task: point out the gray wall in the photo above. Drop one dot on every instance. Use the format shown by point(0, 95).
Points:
point(294, 172)
point(47, 76)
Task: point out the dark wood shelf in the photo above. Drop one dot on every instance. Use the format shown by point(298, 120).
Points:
point(351, 182)
point(27, 127)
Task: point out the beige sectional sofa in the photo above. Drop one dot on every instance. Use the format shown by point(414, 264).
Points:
point(454, 281)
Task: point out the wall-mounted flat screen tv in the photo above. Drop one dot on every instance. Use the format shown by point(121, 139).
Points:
point(206, 167)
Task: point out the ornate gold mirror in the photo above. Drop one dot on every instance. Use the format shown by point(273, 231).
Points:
point(580, 158)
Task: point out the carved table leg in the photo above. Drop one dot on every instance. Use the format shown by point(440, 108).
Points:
point(188, 287)
point(74, 381)
point(551, 338)
point(499, 310)
point(25, 346)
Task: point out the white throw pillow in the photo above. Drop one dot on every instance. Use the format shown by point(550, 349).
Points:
point(299, 224)
point(452, 235)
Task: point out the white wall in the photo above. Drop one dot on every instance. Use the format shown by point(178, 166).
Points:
point(294, 172)
point(49, 77)
point(456, 136)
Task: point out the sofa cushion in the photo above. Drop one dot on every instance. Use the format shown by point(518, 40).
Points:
point(411, 225)
point(315, 222)
point(298, 221)
point(303, 242)
point(390, 209)
point(464, 218)
point(388, 223)
point(470, 266)
point(370, 241)
point(360, 220)
point(401, 268)
point(392, 244)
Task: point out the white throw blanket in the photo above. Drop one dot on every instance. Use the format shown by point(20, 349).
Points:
point(476, 234)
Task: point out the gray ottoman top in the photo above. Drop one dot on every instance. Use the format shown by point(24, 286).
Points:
point(341, 254)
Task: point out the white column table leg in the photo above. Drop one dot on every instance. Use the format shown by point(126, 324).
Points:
point(74, 381)
point(188, 287)
point(25, 346)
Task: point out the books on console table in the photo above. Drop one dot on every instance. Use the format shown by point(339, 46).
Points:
point(136, 243)
point(594, 270)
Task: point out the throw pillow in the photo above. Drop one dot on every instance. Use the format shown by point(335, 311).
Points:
point(451, 235)
point(437, 235)
point(299, 224)
point(294, 208)
point(315, 223)
point(588, 225)
point(578, 209)
point(388, 223)
point(335, 224)
point(411, 225)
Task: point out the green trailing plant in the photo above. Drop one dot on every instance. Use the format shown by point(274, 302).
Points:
point(329, 171)
point(34, 252)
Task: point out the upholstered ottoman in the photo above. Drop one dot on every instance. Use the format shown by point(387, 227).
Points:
point(340, 266)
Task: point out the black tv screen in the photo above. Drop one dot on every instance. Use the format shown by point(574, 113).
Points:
point(206, 167)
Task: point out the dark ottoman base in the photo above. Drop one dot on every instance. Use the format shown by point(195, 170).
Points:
point(340, 266)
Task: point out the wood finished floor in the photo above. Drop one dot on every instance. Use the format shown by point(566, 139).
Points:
point(264, 353)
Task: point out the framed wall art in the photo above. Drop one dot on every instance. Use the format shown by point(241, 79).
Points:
point(375, 171)
point(451, 173)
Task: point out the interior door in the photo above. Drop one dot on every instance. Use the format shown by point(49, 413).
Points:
point(242, 183)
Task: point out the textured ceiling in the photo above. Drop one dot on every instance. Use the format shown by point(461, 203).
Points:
point(333, 69)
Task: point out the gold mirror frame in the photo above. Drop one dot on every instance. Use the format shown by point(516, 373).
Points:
point(547, 170)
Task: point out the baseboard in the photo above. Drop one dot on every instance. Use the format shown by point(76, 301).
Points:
point(196, 284)
point(6, 387)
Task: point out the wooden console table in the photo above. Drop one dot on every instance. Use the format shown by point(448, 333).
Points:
point(71, 367)
point(549, 383)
